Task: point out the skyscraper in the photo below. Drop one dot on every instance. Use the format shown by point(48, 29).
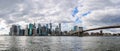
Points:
point(75, 28)
point(26, 30)
point(47, 29)
point(10, 33)
point(22, 32)
point(44, 31)
point(30, 29)
point(18, 28)
point(39, 30)
point(34, 30)
point(14, 30)
point(59, 28)
point(50, 31)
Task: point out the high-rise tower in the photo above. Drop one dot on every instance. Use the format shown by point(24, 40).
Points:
point(30, 29)
point(18, 30)
point(39, 29)
point(14, 30)
point(50, 29)
point(34, 30)
point(26, 30)
point(59, 28)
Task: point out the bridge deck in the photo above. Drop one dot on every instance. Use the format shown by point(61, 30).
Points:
point(106, 27)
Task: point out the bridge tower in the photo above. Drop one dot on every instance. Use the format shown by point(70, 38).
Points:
point(80, 33)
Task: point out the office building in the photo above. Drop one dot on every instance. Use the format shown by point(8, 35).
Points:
point(18, 32)
point(14, 30)
point(57, 31)
point(47, 29)
point(26, 31)
point(50, 31)
point(44, 32)
point(22, 32)
point(39, 30)
point(59, 28)
point(30, 29)
point(34, 30)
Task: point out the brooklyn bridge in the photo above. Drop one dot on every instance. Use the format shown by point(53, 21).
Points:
point(80, 33)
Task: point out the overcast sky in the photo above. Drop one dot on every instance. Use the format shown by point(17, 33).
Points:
point(86, 13)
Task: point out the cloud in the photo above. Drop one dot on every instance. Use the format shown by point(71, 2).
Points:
point(104, 13)
point(40, 11)
point(104, 17)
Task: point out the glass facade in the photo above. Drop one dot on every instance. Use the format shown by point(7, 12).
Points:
point(30, 29)
point(75, 28)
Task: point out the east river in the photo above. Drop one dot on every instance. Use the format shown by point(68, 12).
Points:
point(59, 43)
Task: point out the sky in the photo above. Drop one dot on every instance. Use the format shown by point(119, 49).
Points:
point(86, 13)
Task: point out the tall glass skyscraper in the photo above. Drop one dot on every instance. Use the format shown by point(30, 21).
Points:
point(75, 28)
point(30, 29)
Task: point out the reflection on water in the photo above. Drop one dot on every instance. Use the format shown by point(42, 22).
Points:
point(39, 43)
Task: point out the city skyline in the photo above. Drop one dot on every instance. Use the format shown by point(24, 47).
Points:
point(83, 13)
point(37, 30)
point(48, 30)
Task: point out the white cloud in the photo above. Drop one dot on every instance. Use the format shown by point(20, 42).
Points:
point(40, 11)
point(56, 11)
point(104, 13)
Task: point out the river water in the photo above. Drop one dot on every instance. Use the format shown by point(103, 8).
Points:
point(59, 43)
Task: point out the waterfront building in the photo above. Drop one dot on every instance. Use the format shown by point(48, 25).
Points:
point(14, 30)
point(76, 28)
point(50, 31)
point(53, 32)
point(34, 30)
point(10, 33)
point(47, 29)
point(57, 31)
point(60, 29)
point(18, 30)
point(22, 32)
point(65, 33)
point(44, 32)
point(26, 31)
point(30, 29)
point(39, 32)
